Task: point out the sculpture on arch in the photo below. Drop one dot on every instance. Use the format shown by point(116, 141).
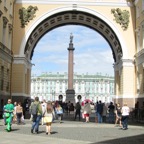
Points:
point(121, 17)
point(27, 14)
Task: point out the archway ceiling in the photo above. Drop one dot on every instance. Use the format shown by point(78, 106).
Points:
point(75, 18)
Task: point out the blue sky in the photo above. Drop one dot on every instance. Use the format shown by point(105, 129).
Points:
point(92, 53)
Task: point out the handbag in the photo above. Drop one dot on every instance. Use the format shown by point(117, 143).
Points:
point(59, 111)
point(47, 119)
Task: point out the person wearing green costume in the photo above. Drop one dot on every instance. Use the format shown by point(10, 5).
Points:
point(8, 108)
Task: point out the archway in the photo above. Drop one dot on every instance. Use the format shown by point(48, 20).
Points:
point(90, 19)
point(76, 18)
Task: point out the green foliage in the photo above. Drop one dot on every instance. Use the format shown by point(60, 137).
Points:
point(27, 14)
point(121, 17)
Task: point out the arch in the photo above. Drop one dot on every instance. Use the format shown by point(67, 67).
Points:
point(84, 16)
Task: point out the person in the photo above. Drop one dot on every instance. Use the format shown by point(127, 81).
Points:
point(9, 107)
point(118, 115)
point(59, 112)
point(99, 111)
point(104, 113)
point(71, 109)
point(19, 112)
point(125, 115)
point(78, 111)
point(14, 112)
point(68, 106)
point(111, 108)
point(137, 110)
point(96, 114)
point(87, 111)
point(44, 106)
point(36, 117)
point(49, 117)
point(142, 111)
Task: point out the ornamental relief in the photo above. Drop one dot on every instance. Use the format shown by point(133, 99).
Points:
point(5, 21)
point(25, 15)
point(121, 17)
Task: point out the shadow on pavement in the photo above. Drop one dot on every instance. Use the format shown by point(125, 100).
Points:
point(139, 139)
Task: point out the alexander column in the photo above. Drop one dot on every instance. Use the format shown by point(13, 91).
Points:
point(70, 93)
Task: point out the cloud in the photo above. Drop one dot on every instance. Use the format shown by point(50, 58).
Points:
point(92, 53)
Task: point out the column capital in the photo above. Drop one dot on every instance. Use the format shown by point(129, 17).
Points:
point(22, 60)
point(124, 63)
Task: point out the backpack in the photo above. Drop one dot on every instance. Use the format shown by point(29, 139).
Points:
point(34, 109)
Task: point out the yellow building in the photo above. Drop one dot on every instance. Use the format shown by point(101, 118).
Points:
point(6, 29)
point(24, 22)
point(139, 56)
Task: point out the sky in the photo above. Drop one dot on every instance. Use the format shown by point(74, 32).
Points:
point(92, 52)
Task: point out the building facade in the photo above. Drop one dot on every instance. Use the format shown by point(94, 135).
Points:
point(6, 55)
point(19, 34)
point(50, 86)
point(139, 56)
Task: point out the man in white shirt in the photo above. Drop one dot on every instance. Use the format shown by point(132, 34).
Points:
point(125, 116)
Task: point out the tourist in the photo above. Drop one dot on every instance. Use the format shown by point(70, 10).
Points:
point(118, 115)
point(96, 114)
point(111, 109)
point(14, 112)
point(125, 115)
point(9, 107)
point(59, 112)
point(87, 111)
point(99, 111)
point(19, 112)
point(104, 113)
point(78, 111)
point(48, 117)
point(36, 111)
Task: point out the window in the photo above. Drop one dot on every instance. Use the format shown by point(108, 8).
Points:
point(8, 80)
point(2, 78)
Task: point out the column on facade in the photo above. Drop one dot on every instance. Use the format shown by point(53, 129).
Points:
point(126, 82)
point(28, 81)
point(20, 78)
point(143, 35)
point(117, 84)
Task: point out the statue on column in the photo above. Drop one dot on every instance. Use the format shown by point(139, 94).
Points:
point(71, 38)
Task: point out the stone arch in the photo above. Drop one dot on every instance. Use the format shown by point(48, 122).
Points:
point(76, 16)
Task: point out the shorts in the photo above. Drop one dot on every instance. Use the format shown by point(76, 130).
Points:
point(86, 115)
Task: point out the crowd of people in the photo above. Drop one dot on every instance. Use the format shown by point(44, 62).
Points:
point(46, 112)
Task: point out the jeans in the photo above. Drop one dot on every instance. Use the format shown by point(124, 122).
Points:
point(125, 122)
point(99, 117)
point(78, 112)
point(36, 122)
point(19, 115)
point(111, 117)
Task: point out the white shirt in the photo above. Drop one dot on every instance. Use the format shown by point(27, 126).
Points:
point(44, 106)
point(125, 110)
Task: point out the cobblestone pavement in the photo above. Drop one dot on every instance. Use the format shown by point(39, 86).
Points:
point(73, 132)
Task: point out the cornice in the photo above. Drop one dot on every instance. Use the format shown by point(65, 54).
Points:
point(124, 63)
point(78, 2)
point(5, 56)
point(139, 57)
point(22, 60)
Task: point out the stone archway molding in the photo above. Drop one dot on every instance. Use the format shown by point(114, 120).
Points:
point(73, 8)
